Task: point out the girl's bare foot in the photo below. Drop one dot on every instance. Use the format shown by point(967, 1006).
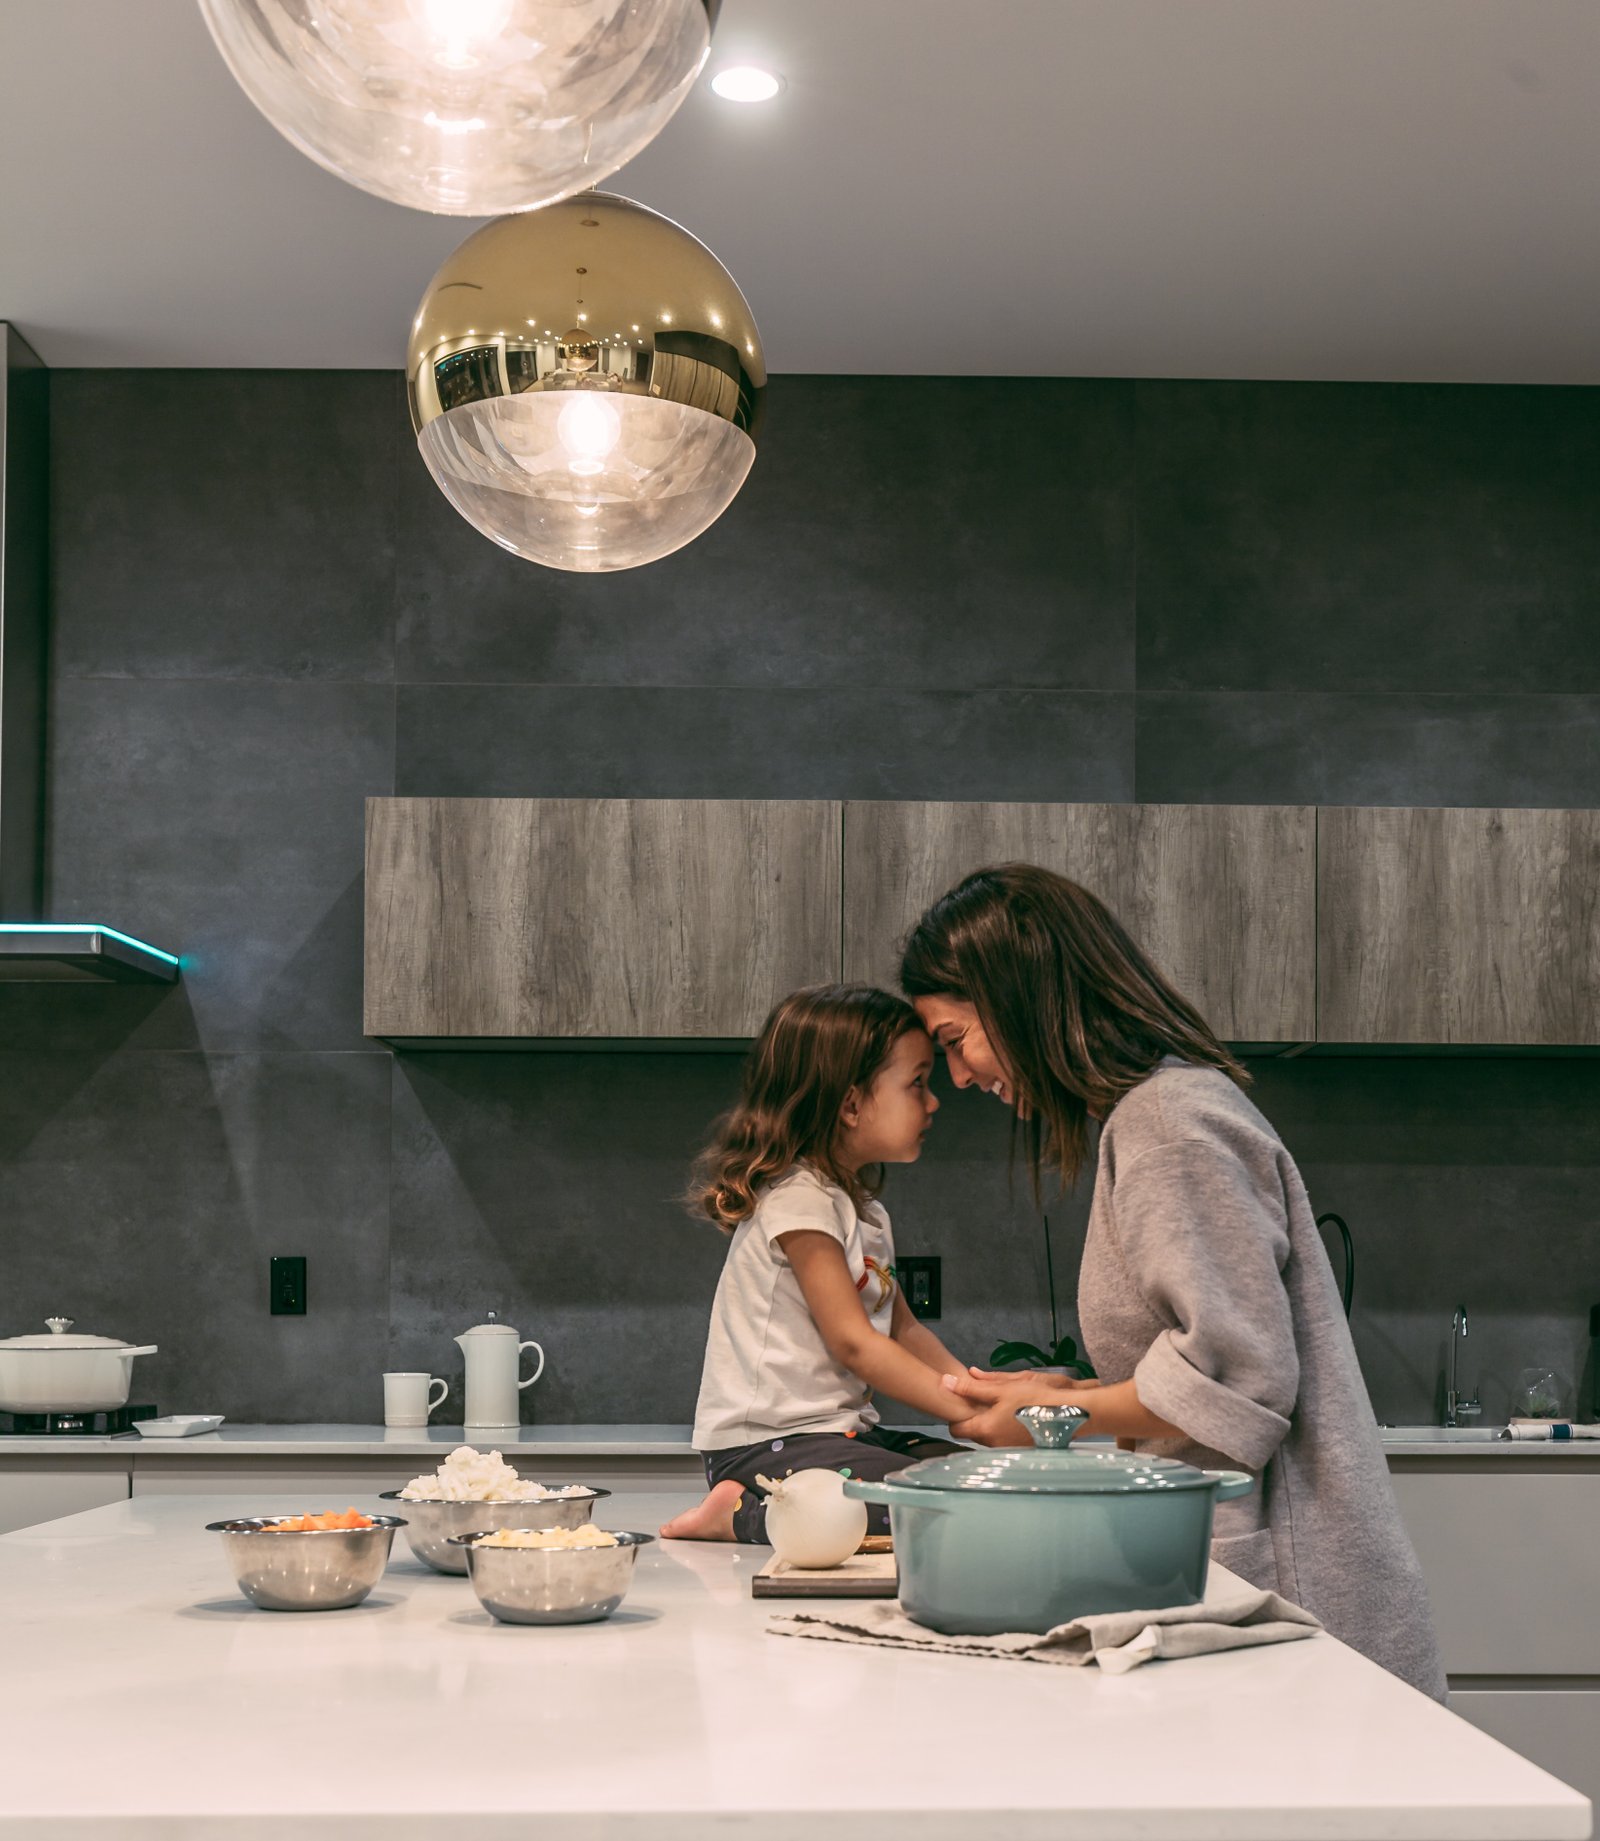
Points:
point(711, 1520)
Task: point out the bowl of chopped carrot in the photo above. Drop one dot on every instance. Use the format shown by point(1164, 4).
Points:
point(319, 1562)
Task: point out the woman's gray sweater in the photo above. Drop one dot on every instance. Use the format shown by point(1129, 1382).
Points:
point(1204, 1279)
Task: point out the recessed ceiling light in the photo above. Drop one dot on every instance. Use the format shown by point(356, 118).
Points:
point(746, 83)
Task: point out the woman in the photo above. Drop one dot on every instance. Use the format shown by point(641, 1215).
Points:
point(1205, 1297)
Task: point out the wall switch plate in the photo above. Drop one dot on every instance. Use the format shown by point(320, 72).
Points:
point(288, 1287)
point(919, 1280)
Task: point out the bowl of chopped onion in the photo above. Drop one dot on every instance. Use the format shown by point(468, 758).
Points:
point(551, 1575)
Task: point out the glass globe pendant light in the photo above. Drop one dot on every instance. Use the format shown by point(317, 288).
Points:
point(467, 106)
point(585, 382)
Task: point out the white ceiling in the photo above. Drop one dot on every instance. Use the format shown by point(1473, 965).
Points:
point(1384, 189)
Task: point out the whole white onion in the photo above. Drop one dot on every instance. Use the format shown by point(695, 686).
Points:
point(811, 1522)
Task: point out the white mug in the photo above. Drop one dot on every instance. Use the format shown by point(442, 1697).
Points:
point(408, 1398)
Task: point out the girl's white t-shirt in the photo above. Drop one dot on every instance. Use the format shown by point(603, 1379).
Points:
point(767, 1371)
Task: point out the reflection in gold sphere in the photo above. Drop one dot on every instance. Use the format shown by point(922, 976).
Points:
point(586, 382)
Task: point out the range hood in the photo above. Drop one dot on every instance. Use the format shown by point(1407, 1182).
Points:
point(33, 949)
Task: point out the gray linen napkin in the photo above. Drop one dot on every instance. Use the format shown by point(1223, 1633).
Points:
point(1117, 1640)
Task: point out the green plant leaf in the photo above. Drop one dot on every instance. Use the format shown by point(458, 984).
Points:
point(1065, 1355)
point(1007, 1352)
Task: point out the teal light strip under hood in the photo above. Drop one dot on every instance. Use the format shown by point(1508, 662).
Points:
point(47, 952)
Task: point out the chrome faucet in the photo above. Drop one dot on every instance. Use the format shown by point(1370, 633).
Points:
point(1455, 1408)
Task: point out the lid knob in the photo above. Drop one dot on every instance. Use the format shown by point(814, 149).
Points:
point(58, 1326)
point(1052, 1427)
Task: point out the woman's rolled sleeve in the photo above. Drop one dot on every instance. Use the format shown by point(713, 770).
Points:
point(1207, 1249)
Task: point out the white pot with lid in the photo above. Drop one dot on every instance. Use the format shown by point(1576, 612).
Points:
point(62, 1373)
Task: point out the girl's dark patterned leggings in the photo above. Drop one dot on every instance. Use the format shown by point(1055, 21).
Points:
point(877, 1453)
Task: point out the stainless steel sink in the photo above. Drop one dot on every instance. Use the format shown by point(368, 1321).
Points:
point(1440, 1434)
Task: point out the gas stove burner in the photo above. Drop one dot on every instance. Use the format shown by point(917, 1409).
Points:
point(117, 1422)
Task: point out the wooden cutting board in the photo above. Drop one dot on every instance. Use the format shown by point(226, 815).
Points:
point(863, 1575)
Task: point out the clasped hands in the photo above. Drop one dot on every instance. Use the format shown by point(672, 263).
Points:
point(997, 1396)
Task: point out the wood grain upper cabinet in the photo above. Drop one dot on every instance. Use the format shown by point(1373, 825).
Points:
point(1222, 897)
point(618, 918)
point(1459, 925)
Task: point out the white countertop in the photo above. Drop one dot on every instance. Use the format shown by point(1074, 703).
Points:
point(414, 1715)
point(236, 1441)
point(1479, 1442)
point(569, 1441)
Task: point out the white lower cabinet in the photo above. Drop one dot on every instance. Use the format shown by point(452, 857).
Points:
point(1556, 1728)
point(155, 1475)
point(44, 1489)
point(1507, 1550)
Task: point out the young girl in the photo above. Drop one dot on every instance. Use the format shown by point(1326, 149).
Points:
point(808, 1321)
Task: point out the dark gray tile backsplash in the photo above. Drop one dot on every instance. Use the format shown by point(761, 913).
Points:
point(143, 1193)
point(556, 1178)
point(1472, 1182)
point(224, 819)
point(1348, 748)
point(860, 742)
point(1337, 537)
point(948, 589)
point(210, 524)
point(982, 537)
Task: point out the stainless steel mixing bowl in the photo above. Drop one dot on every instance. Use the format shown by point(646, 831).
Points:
point(432, 1525)
point(325, 1569)
point(551, 1585)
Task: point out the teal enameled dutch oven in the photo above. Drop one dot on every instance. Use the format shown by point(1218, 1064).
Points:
point(1027, 1539)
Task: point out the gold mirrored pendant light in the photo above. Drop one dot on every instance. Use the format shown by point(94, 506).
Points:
point(585, 382)
point(466, 106)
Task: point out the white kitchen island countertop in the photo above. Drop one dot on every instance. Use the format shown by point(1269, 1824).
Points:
point(142, 1697)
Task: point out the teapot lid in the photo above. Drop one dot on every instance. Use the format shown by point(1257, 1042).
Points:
point(1049, 1467)
point(489, 1328)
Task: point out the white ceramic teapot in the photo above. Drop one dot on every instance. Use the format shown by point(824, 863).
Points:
point(493, 1355)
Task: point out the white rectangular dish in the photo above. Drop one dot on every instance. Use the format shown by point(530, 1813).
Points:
point(178, 1425)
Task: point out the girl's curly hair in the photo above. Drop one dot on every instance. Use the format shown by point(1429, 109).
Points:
point(815, 1046)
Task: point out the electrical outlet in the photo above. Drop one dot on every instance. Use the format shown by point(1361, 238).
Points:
point(919, 1280)
point(288, 1287)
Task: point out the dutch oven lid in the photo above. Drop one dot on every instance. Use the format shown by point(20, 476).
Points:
point(59, 1339)
point(1050, 1468)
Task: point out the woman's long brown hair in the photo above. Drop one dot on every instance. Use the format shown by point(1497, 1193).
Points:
point(814, 1047)
point(1074, 1009)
